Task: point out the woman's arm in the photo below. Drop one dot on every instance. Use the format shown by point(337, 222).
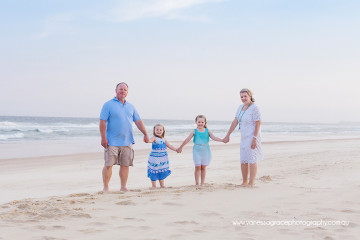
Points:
point(233, 125)
point(211, 135)
point(256, 133)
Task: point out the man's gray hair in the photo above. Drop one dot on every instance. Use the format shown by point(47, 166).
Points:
point(122, 83)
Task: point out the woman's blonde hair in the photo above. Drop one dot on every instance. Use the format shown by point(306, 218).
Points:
point(201, 116)
point(245, 90)
point(159, 125)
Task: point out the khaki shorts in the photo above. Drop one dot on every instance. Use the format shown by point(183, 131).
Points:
point(123, 156)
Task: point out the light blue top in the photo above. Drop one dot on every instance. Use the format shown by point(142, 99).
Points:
point(201, 137)
point(119, 118)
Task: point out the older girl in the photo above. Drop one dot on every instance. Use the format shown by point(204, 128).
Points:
point(201, 150)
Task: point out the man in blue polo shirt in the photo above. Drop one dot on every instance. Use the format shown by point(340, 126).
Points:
point(116, 118)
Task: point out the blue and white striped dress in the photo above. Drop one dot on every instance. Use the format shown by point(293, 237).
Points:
point(158, 162)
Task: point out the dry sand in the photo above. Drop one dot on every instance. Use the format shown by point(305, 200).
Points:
point(301, 182)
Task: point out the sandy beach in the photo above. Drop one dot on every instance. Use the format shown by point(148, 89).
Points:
point(304, 190)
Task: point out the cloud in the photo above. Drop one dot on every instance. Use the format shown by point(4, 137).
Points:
point(139, 9)
point(54, 25)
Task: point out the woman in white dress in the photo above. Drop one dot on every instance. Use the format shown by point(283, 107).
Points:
point(249, 119)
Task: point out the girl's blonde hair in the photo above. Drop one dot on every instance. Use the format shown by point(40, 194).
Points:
point(245, 90)
point(159, 125)
point(201, 116)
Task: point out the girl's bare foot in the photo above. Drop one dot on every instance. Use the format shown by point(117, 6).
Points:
point(244, 184)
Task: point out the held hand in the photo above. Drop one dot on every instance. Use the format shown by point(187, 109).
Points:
point(226, 139)
point(178, 150)
point(104, 142)
point(253, 144)
point(146, 138)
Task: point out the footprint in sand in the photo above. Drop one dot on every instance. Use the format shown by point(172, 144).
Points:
point(90, 198)
point(177, 236)
point(58, 227)
point(266, 178)
point(91, 230)
point(125, 227)
point(347, 211)
point(135, 190)
point(180, 191)
point(173, 204)
point(23, 206)
point(285, 230)
point(41, 227)
point(147, 193)
point(50, 238)
point(97, 223)
point(210, 214)
point(186, 222)
point(79, 194)
point(352, 225)
point(315, 228)
point(127, 202)
point(81, 215)
point(134, 219)
point(145, 228)
point(328, 238)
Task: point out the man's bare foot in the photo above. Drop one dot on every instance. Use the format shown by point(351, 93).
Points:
point(123, 189)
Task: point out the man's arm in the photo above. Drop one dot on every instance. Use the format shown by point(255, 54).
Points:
point(140, 125)
point(102, 127)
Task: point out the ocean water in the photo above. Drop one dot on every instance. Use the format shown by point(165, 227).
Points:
point(82, 134)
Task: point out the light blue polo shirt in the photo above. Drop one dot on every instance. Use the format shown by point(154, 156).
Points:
point(119, 118)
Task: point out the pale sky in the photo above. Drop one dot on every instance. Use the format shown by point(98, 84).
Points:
point(301, 58)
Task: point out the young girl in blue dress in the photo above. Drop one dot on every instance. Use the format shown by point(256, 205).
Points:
point(158, 162)
point(201, 150)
